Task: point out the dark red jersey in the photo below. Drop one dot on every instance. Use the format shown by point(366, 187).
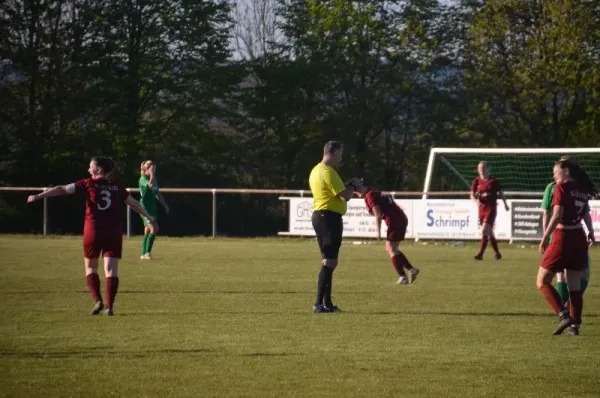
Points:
point(104, 202)
point(574, 200)
point(391, 213)
point(486, 191)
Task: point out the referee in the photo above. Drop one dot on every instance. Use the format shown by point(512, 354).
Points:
point(330, 196)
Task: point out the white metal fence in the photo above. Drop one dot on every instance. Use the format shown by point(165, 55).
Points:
point(215, 192)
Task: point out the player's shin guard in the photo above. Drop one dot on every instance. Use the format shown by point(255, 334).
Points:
point(576, 307)
point(552, 298)
point(563, 291)
point(93, 284)
point(112, 286)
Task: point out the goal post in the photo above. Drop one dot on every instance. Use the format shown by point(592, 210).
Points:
point(523, 172)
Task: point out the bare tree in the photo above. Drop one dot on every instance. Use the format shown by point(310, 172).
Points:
point(255, 29)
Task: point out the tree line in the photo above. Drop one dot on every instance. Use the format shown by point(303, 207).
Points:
point(244, 95)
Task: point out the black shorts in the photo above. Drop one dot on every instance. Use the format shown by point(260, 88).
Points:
point(328, 226)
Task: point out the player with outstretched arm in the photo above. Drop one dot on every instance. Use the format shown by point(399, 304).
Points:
point(485, 190)
point(568, 249)
point(384, 208)
point(150, 196)
point(102, 231)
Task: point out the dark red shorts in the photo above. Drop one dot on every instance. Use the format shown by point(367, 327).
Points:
point(487, 215)
point(396, 231)
point(109, 244)
point(567, 250)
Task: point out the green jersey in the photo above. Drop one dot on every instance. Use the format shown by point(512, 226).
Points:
point(148, 196)
point(547, 200)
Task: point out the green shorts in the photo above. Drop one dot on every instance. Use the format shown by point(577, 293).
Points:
point(145, 220)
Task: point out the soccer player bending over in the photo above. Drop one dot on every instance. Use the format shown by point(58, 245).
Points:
point(102, 232)
point(385, 208)
point(569, 247)
point(485, 190)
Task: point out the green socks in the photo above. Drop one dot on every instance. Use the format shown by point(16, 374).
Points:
point(151, 238)
point(563, 291)
point(147, 243)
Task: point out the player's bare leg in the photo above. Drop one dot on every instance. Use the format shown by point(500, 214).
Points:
point(576, 298)
point(93, 284)
point(484, 241)
point(399, 261)
point(111, 270)
point(544, 283)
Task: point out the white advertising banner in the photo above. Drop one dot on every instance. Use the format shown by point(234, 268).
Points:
point(358, 223)
point(436, 219)
point(454, 219)
point(595, 213)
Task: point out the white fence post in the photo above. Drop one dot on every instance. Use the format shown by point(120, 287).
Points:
point(214, 213)
point(128, 219)
point(45, 222)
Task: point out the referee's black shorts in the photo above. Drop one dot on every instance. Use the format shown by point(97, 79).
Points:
point(328, 227)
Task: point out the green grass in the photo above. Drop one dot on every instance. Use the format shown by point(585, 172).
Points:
point(233, 318)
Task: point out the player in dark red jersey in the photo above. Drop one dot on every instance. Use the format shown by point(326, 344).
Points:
point(385, 208)
point(485, 190)
point(102, 233)
point(569, 247)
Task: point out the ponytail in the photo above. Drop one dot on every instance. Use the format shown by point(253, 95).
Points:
point(579, 175)
point(108, 167)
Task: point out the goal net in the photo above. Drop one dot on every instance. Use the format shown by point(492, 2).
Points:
point(523, 172)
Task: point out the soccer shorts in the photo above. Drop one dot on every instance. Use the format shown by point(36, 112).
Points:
point(487, 215)
point(568, 250)
point(109, 244)
point(145, 220)
point(328, 226)
point(396, 231)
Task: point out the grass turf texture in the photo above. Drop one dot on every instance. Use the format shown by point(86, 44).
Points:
point(233, 317)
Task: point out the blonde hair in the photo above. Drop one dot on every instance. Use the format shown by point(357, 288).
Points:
point(144, 166)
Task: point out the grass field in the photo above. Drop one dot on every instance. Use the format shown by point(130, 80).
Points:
point(233, 318)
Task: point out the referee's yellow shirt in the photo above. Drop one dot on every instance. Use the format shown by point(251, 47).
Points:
point(325, 184)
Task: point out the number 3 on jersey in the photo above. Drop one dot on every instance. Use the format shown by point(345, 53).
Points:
point(105, 201)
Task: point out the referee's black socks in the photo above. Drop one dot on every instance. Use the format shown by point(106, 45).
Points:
point(324, 285)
